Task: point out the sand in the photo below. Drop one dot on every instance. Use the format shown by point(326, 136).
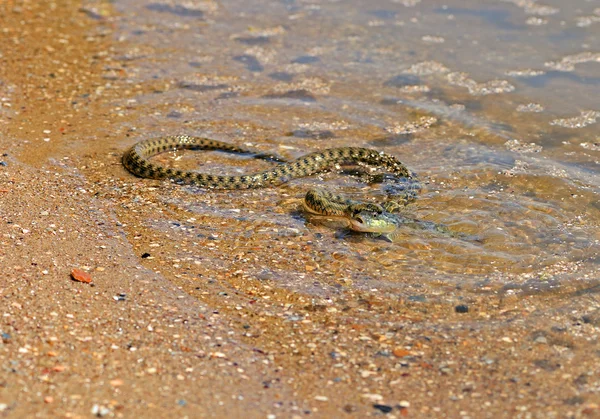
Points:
point(162, 335)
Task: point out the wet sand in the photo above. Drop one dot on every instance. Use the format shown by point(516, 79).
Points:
point(162, 334)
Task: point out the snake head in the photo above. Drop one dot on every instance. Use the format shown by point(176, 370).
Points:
point(373, 222)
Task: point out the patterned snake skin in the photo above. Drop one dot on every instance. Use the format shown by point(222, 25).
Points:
point(318, 201)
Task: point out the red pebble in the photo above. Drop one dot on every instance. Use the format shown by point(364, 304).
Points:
point(81, 276)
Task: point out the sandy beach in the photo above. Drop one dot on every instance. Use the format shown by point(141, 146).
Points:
point(188, 316)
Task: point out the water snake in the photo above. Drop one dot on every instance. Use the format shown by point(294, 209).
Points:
point(401, 185)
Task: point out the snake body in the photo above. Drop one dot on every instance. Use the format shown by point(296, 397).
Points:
point(317, 201)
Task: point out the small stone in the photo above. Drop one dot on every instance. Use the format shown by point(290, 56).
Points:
point(3, 407)
point(48, 399)
point(116, 382)
point(372, 397)
point(461, 308)
point(100, 411)
point(445, 370)
point(81, 276)
point(400, 352)
point(218, 355)
point(145, 255)
point(383, 407)
point(322, 398)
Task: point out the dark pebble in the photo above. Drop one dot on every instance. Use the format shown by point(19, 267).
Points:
point(350, 408)
point(145, 255)
point(3, 163)
point(461, 308)
point(383, 407)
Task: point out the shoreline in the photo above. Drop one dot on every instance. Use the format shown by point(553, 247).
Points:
point(171, 337)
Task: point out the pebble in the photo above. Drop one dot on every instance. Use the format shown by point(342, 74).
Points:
point(81, 276)
point(100, 411)
point(218, 355)
point(400, 352)
point(461, 308)
point(383, 407)
point(372, 397)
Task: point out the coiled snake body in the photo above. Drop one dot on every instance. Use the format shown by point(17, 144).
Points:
point(362, 216)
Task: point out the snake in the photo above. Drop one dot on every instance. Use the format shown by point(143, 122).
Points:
point(401, 185)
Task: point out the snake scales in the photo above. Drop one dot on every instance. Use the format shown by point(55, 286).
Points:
point(401, 184)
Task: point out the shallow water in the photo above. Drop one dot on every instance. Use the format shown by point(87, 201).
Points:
point(236, 303)
point(494, 104)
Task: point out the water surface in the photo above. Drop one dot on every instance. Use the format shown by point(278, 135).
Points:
point(493, 103)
